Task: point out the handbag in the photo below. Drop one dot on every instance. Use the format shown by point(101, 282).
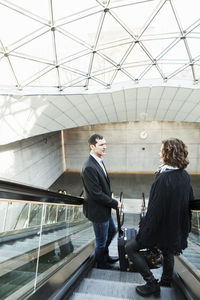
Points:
point(153, 257)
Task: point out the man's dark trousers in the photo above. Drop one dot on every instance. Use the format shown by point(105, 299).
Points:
point(104, 233)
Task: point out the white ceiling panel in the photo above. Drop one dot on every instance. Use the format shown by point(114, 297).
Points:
point(156, 92)
point(143, 93)
point(194, 96)
point(66, 121)
point(62, 103)
point(122, 116)
point(194, 115)
point(182, 94)
point(48, 123)
point(52, 111)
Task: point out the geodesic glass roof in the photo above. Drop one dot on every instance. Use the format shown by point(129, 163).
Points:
point(54, 45)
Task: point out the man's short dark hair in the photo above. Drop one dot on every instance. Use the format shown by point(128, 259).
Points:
point(93, 139)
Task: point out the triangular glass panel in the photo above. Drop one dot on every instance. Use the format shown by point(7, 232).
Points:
point(80, 84)
point(48, 79)
point(188, 12)
point(40, 48)
point(111, 31)
point(105, 77)
point(151, 73)
point(121, 77)
point(26, 69)
point(184, 75)
point(84, 29)
point(68, 77)
point(93, 83)
point(135, 15)
point(194, 31)
point(15, 25)
point(115, 53)
point(136, 71)
point(35, 7)
point(81, 63)
point(101, 64)
point(177, 53)
point(7, 77)
point(169, 67)
point(156, 46)
point(62, 8)
point(194, 46)
point(138, 55)
point(160, 24)
point(66, 46)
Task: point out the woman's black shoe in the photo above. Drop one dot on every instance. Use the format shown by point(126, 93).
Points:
point(165, 283)
point(151, 288)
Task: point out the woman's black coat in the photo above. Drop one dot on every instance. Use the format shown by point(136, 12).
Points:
point(168, 219)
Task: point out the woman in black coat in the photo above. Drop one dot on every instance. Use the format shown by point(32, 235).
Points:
point(168, 219)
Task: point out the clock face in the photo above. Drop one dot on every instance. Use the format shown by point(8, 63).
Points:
point(143, 134)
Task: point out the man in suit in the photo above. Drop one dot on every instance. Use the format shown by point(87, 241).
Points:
point(98, 201)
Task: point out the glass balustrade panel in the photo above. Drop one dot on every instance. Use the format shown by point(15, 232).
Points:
point(71, 233)
point(192, 253)
point(35, 240)
point(18, 248)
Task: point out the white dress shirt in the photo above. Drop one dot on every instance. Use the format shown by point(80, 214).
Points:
point(100, 162)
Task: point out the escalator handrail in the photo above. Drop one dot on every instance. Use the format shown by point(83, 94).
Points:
point(195, 204)
point(24, 233)
point(12, 190)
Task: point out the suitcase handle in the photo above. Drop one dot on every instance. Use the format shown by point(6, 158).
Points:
point(143, 207)
point(119, 223)
point(119, 213)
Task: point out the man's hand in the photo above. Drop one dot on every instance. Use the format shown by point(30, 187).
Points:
point(120, 205)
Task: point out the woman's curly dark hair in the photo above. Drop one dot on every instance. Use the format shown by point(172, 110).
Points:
point(174, 153)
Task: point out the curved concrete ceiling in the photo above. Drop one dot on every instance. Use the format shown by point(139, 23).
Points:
point(26, 116)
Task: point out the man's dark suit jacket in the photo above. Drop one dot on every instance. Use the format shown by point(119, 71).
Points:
point(97, 195)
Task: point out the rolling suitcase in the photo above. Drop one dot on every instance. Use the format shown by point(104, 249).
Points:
point(124, 235)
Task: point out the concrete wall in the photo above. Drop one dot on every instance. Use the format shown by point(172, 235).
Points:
point(36, 161)
point(39, 160)
point(126, 150)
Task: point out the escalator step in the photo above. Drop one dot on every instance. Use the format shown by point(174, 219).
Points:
point(114, 275)
point(118, 289)
point(81, 296)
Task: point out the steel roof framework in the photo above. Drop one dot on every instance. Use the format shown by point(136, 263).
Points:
point(100, 67)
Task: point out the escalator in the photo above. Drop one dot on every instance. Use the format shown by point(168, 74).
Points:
point(46, 252)
point(112, 284)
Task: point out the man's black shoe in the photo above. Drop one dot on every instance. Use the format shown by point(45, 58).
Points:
point(107, 267)
point(112, 259)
